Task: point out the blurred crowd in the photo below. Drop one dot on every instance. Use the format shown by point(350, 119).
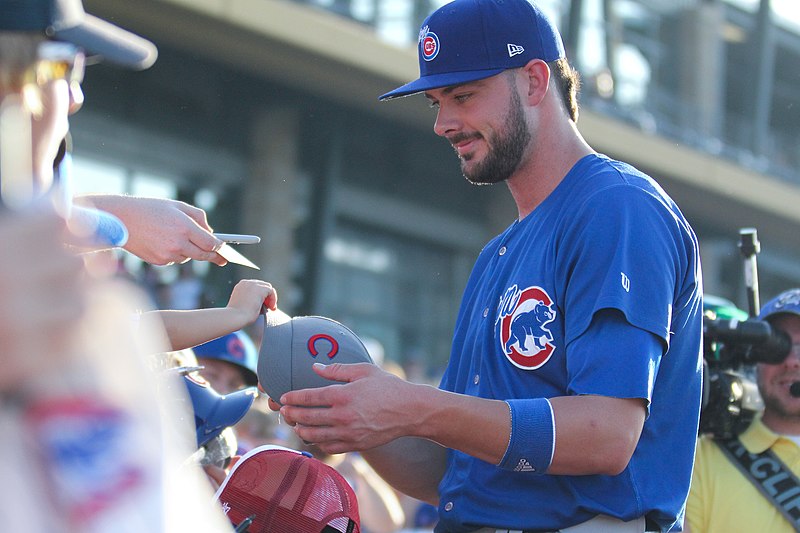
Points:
point(125, 401)
point(131, 402)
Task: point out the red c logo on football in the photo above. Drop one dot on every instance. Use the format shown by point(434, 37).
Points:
point(312, 345)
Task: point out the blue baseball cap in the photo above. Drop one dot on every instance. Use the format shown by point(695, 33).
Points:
point(469, 40)
point(235, 348)
point(213, 412)
point(787, 302)
point(65, 20)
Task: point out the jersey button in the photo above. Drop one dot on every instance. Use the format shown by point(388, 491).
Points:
point(448, 506)
point(485, 312)
point(502, 250)
point(476, 379)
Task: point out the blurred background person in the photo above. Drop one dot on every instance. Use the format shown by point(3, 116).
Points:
point(262, 426)
point(229, 362)
point(186, 292)
point(722, 497)
point(378, 503)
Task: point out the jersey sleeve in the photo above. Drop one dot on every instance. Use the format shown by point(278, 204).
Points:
point(622, 250)
point(613, 358)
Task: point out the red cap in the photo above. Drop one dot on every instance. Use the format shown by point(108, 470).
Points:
point(288, 491)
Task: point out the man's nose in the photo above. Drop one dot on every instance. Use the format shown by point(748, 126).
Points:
point(446, 121)
point(793, 357)
point(795, 351)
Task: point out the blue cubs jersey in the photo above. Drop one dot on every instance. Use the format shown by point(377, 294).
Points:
point(607, 238)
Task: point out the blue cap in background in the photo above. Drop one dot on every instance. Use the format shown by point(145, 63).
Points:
point(787, 302)
point(235, 348)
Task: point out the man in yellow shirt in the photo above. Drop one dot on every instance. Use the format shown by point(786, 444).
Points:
point(722, 498)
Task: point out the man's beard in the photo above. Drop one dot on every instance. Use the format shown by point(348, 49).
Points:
point(779, 408)
point(775, 403)
point(505, 148)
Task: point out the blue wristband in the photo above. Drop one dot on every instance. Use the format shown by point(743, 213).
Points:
point(533, 436)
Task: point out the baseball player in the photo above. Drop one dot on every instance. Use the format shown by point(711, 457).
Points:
point(572, 395)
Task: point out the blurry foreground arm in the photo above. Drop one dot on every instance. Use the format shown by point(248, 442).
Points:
point(186, 329)
point(42, 295)
point(378, 504)
point(162, 231)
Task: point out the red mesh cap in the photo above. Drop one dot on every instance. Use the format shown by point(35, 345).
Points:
point(286, 491)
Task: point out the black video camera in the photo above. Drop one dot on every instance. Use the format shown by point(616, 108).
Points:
point(732, 345)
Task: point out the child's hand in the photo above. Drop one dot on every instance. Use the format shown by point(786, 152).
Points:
point(249, 296)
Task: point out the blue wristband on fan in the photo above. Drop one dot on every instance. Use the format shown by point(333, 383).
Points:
point(533, 436)
point(98, 227)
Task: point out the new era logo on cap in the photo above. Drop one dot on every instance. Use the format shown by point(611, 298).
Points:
point(291, 346)
point(514, 49)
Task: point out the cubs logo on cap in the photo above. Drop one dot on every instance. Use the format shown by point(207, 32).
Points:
point(236, 348)
point(291, 346)
point(428, 44)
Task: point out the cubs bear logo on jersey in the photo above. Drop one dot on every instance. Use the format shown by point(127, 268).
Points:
point(524, 336)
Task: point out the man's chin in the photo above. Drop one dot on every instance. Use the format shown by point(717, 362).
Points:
point(481, 180)
point(478, 176)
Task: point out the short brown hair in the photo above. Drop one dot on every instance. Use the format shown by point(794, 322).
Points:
point(569, 84)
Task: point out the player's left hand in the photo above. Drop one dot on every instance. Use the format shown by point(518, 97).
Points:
point(343, 418)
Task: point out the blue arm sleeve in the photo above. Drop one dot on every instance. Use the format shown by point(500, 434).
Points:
point(614, 358)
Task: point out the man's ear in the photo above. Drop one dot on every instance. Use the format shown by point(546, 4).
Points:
point(538, 80)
